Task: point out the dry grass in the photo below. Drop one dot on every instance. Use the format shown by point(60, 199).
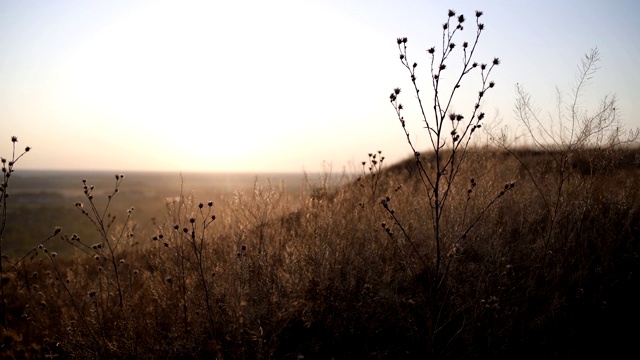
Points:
point(326, 280)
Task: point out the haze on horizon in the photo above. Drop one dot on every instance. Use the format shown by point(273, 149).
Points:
point(278, 86)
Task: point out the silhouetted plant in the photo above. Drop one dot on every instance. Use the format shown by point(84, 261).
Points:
point(111, 249)
point(449, 132)
point(195, 255)
point(7, 171)
point(371, 173)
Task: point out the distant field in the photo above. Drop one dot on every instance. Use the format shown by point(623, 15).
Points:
point(42, 200)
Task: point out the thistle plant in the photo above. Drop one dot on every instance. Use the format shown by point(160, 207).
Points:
point(7, 170)
point(371, 173)
point(449, 133)
point(110, 251)
point(189, 245)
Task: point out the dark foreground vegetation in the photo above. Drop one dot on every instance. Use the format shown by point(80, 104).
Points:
point(327, 280)
point(459, 252)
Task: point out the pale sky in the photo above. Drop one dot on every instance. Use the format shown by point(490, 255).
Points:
point(266, 86)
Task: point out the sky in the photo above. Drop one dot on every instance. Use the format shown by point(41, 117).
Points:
point(278, 86)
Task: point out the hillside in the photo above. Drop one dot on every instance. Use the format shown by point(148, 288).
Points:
point(539, 259)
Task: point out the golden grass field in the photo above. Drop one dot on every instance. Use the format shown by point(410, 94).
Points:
point(547, 271)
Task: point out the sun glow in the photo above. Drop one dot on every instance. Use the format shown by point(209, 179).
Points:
point(216, 88)
point(265, 86)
